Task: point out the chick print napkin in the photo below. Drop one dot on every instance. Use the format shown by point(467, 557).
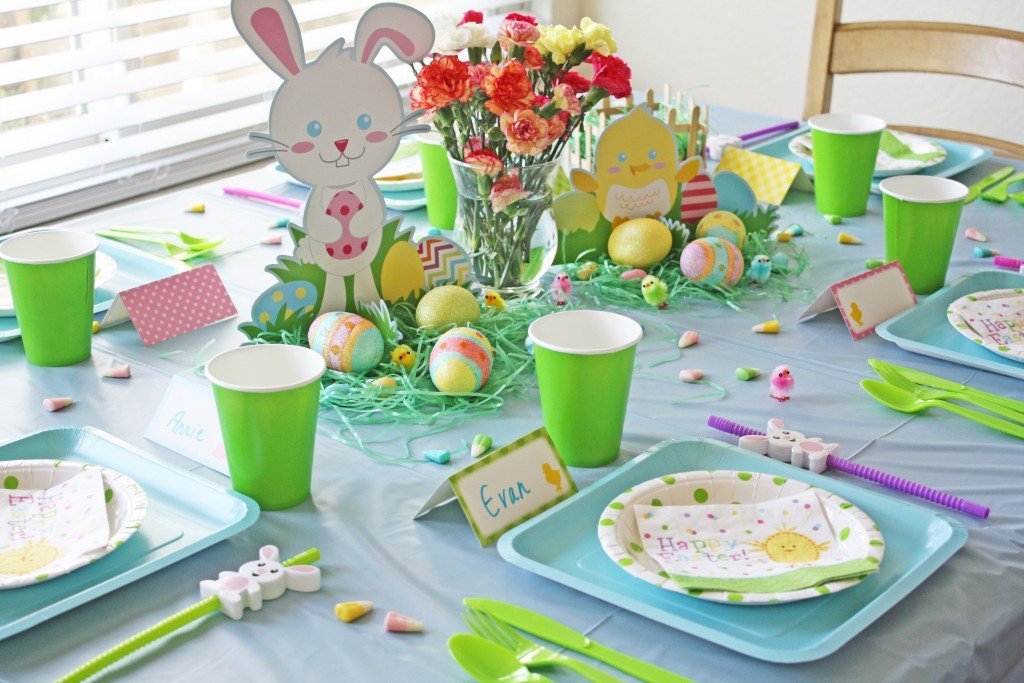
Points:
point(994, 319)
point(782, 545)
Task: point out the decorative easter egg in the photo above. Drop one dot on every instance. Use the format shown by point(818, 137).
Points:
point(640, 242)
point(445, 305)
point(402, 273)
point(699, 198)
point(348, 342)
point(444, 263)
point(712, 261)
point(734, 193)
point(724, 224)
point(460, 362)
point(279, 303)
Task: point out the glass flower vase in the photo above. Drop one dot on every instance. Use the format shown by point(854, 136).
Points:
point(510, 246)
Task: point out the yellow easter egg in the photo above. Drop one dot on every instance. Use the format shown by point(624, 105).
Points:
point(725, 225)
point(447, 304)
point(402, 272)
point(640, 242)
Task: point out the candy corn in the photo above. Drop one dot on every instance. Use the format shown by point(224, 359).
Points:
point(690, 375)
point(383, 386)
point(118, 372)
point(350, 611)
point(634, 274)
point(481, 444)
point(196, 208)
point(984, 252)
point(847, 238)
point(769, 327)
point(95, 326)
point(976, 235)
point(399, 623)
point(55, 404)
point(441, 457)
point(833, 219)
point(586, 270)
point(873, 263)
point(795, 230)
point(780, 236)
point(272, 239)
point(283, 223)
point(689, 338)
point(747, 374)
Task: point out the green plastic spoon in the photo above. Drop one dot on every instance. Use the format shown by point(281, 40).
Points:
point(186, 239)
point(906, 402)
point(174, 250)
point(488, 662)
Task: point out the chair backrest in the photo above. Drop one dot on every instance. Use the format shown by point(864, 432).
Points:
point(992, 54)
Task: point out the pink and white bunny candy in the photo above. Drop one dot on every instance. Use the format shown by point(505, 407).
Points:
point(334, 123)
point(262, 579)
point(790, 446)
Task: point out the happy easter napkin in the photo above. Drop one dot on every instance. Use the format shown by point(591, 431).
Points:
point(782, 545)
point(993, 319)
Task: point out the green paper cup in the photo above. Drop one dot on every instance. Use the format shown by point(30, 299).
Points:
point(51, 275)
point(845, 148)
point(584, 369)
point(268, 399)
point(438, 181)
point(921, 215)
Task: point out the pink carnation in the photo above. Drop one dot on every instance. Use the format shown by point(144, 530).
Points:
point(507, 190)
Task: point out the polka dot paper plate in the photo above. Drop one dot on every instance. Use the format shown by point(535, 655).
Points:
point(993, 319)
point(51, 513)
point(620, 537)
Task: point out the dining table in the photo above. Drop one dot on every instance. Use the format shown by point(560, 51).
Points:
point(965, 622)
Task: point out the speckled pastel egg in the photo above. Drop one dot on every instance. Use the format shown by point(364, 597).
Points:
point(445, 305)
point(282, 301)
point(460, 362)
point(712, 261)
point(640, 242)
point(348, 342)
point(723, 224)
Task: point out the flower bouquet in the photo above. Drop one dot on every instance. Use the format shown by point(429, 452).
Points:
point(505, 112)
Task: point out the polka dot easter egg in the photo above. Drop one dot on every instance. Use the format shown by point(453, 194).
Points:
point(283, 301)
point(460, 362)
point(724, 224)
point(712, 261)
point(734, 193)
point(348, 342)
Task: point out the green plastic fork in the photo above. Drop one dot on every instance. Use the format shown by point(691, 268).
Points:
point(176, 251)
point(526, 651)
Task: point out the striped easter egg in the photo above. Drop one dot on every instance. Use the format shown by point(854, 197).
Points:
point(348, 342)
point(712, 261)
point(699, 198)
point(460, 362)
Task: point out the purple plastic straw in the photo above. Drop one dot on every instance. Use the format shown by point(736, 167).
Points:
point(1008, 262)
point(871, 474)
point(780, 128)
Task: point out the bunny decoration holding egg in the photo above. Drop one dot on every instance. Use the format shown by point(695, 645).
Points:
point(335, 122)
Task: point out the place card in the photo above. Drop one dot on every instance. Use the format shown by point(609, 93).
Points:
point(866, 300)
point(173, 305)
point(507, 487)
point(186, 422)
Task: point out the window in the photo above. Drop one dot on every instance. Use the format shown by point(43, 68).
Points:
point(101, 100)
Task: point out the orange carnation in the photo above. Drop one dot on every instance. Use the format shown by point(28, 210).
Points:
point(443, 81)
point(508, 88)
point(526, 132)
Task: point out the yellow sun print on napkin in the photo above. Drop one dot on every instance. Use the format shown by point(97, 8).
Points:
point(786, 546)
point(31, 557)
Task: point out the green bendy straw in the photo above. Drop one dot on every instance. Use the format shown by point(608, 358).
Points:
point(164, 628)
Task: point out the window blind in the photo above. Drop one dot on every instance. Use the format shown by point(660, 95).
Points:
point(101, 100)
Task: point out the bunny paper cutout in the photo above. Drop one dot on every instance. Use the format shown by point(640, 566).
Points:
point(335, 122)
point(262, 579)
point(790, 446)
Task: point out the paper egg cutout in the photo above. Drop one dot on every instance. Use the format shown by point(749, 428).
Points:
point(460, 362)
point(446, 305)
point(734, 193)
point(443, 262)
point(723, 224)
point(282, 301)
point(640, 242)
point(712, 261)
point(348, 342)
point(699, 198)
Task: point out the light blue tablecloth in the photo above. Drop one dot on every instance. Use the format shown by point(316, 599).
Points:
point(966, 622)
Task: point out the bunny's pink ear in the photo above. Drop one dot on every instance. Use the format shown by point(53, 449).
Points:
point(270, 29)
point(406, 31)
point(775, 424)
point(269, 553)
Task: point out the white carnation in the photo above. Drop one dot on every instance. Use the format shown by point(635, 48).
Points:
point(480, 36)
point(450, 39)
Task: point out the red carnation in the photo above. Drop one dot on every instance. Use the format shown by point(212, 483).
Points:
point(508, 88)
point(611, 74)
point(443, 81)
point(533, 58)
point(575, 80)
point(472, 17)
point(516, 16)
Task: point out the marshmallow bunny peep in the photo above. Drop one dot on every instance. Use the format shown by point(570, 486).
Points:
point(334, 123)
point(262, 579)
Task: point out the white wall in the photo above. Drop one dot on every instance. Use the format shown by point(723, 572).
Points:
point(753, 54)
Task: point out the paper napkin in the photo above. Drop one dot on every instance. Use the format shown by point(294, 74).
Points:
point(782, 545)
point(994, 319)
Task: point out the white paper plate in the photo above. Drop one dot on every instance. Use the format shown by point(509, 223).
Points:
point(126, 506)
point(618, 535)
point(885, 165)
point(106, 268)
point(1005, 306)
point(404, 201)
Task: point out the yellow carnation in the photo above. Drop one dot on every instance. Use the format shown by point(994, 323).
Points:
point(559, 41)
point(598, 37)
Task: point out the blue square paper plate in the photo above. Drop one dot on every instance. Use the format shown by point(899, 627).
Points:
point(925, 329)
point(186, 514)
point(561, 544)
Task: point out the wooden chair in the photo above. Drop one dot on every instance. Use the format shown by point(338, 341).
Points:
point(992, 54)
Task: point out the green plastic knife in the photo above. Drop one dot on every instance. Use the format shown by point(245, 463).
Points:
point(988, 181)
point(550, 630)
point(924, 379)
point(1000, 192)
